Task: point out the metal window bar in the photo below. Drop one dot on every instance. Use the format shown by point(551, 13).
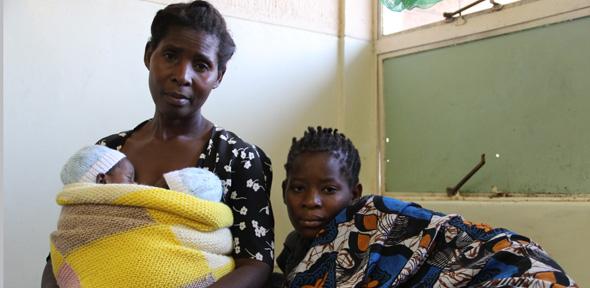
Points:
point(449, 15)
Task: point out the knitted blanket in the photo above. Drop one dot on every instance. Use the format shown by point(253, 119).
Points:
point(384, 242)
point(127, 235)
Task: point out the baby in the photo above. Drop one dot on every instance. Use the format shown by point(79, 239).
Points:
point(102, 226)
point(98, 164)
point(102, 165)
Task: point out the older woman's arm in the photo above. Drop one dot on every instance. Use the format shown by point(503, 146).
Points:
point(245, 171)
point(248, 273)
point(48, 279)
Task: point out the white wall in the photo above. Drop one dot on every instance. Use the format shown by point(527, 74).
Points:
point(359, 111)
point(359, 79)
point(2, 141)
point(280, 81)
point(74, 73)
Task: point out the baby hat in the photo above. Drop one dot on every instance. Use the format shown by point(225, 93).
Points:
point(198, 182)
point(88, 162)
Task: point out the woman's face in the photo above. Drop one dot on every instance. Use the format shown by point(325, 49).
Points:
point(315, 191)
point(183, 70)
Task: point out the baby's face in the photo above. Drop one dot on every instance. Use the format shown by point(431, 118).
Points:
point(122, 173)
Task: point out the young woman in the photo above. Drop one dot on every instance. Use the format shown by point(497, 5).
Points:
point(341, 240)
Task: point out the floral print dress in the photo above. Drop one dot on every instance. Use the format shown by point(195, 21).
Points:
point(246, 174)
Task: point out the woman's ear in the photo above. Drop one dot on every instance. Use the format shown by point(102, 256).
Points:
point(357, 191)
point(147, 54)
point(220, 74)
point(101, 178)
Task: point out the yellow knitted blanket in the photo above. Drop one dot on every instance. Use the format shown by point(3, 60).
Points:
point(127, 235)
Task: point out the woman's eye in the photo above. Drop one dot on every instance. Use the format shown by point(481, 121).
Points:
point(330, 190)
point(169, 56)
point(201, 67)
point(297, 189)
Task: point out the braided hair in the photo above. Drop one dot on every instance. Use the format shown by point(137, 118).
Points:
point(328, 140)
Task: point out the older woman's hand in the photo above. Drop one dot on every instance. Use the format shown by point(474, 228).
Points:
point(248, 273)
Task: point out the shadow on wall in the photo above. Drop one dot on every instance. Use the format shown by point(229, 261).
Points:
point(280, 81)
point(273, 131)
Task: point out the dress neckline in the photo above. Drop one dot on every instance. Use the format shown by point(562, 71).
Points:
point(205, 151)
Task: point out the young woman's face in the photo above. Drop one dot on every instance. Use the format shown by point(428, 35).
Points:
point(183, 70)
point(315, 191)
point(122, 173)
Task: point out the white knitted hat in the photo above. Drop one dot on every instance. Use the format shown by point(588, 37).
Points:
point(198, 182)
point(88, 162)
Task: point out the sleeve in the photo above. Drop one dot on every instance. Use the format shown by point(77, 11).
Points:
point(114, 141)
point(294, 250)
point(287, 253)
point(249, 199)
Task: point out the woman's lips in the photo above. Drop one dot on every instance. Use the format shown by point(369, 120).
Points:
point(311, 223)
point(177, 99)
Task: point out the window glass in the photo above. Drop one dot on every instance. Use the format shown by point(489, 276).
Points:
point(520, 98)
point(393, 22)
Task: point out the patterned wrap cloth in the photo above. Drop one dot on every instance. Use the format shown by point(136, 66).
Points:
point(128, 235)
point(384, 242)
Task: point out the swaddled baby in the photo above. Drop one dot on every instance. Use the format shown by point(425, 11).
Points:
point(128, 235)
point(102, 165)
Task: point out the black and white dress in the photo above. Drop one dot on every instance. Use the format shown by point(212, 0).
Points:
point(246, 174)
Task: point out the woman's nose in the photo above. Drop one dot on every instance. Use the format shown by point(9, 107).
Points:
point(183, 72)
point(312, 199)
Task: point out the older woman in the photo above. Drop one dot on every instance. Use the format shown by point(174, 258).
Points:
point(186, 58)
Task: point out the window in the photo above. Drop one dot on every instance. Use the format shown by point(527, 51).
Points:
point(504, 83)
point(393, 22)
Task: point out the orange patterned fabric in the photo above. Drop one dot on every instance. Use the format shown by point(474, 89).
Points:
point(408, 246)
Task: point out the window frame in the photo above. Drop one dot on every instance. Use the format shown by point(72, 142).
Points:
point(513, 17)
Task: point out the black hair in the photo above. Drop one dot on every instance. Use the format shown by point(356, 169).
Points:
point(198, 15)
point(328, 140)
